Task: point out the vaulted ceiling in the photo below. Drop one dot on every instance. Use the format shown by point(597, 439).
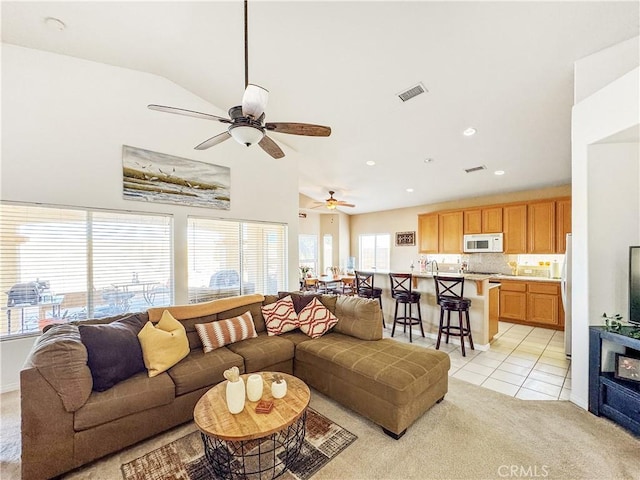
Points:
point(503, 68)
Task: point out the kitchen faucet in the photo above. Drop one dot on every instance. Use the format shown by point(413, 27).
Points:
point(433, 262)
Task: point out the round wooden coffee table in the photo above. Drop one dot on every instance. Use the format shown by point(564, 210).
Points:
point(249, 444)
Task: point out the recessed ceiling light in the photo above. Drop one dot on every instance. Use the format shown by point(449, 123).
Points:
point(54, 23)
point(410, 190)
point(499, 172)
point(469, 131)
point(371, 163)
point(428, 160)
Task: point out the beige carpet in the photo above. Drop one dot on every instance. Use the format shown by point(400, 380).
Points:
point(474, 433)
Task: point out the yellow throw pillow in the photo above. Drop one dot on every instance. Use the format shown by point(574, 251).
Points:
point(163, 345)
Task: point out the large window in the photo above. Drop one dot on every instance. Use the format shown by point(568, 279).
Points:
point(229, 258)
point(68, 264)
point(308, 251)
point(375, 251)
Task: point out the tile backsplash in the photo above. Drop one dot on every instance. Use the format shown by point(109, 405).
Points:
point(499, 263)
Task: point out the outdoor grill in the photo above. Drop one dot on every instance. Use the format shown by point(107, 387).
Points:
point(28, 293)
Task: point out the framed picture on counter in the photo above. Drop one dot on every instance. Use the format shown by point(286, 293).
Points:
point(405, 239)
point(627, 368)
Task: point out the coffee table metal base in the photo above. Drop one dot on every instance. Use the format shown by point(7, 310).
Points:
point(263, 458)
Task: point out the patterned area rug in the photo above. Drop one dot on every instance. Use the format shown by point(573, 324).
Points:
point(184, 458)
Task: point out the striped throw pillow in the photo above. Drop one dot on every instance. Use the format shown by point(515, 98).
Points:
point(280, 317)
point(315, 319)
point(223, 332)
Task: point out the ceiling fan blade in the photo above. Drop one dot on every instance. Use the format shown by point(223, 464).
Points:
point(271, 147)
point(254, 101)
point(189, 113)
point(306, 129)
point(344, 204)
point(214, 141)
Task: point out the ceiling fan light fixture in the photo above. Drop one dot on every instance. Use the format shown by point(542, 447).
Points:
point(245, 134)
point(254, 101)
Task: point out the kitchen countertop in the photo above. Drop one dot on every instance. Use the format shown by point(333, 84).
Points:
point(491, 276)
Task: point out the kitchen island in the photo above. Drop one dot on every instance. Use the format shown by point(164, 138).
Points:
point(476, 289)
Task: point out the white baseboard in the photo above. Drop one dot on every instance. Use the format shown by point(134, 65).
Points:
point(5, 388)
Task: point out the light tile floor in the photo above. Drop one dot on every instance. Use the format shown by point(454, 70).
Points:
point(524, 362)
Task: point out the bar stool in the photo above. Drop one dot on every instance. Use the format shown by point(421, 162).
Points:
point(449, 294)
point(365, 288)
point(401, 290)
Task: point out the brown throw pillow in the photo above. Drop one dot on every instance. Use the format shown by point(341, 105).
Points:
point(301, 301)
point(114, 352)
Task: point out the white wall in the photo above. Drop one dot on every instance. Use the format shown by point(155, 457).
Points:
point(605, 185)
point(600, 69)
point(64, 122)
point(613, 172)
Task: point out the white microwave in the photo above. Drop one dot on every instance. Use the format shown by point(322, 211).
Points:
point(483, 242)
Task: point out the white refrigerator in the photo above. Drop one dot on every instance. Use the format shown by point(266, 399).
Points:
point(565, 285)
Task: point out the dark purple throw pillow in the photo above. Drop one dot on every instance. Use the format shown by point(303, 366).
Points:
point(114, 352)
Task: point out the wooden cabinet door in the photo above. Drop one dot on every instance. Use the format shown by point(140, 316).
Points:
point(450, 227)
point(563, 224)
point(541, 226)
point(513, 305)
point(515, 228)
point(492, 220)
point(543, 308)
point(428, 233)
point(472, 221)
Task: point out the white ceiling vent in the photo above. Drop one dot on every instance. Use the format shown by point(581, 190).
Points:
point(475, 169)
point(412, 92)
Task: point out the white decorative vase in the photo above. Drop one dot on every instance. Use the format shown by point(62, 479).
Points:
point(254, 387)
point(279, 390)
point(235, 396)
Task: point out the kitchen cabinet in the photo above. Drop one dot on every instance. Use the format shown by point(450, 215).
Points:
point(543, 301)
point(428, 233)
point(450, 232)
point(541, 227)
point(472, 221)
point(513, 300)
point(563, 224)
point(532, 303)
point(515, 228)
point(483, 220)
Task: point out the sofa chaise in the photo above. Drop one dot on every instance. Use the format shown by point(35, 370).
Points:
point(66, 423)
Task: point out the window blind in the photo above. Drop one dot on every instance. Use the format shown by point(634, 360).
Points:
point(62, 264)
point(229, 257)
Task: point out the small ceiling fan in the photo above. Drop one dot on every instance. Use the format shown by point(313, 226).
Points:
point(246, 121)
point(331, 203)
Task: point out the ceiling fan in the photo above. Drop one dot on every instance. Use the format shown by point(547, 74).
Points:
point(331, 203)
point(246, 122)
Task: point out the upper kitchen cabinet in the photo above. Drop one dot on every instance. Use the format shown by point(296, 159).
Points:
point(541, 225)
point(450, 226)
point(515, 228)
point(428, 233)
point(483, 220)
point(563, 223)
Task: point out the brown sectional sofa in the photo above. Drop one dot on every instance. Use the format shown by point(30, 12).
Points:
point(65, 424)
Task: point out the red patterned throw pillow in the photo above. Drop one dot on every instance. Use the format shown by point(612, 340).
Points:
point(280, 317)
point(223, 332)
point(315, 319)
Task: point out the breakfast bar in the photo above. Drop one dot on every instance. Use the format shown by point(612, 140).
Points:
point(476, 289)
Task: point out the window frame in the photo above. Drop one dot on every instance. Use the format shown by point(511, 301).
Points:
point(386, 265)
point(94, 241)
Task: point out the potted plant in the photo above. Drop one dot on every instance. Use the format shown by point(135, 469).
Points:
point(304, 271)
